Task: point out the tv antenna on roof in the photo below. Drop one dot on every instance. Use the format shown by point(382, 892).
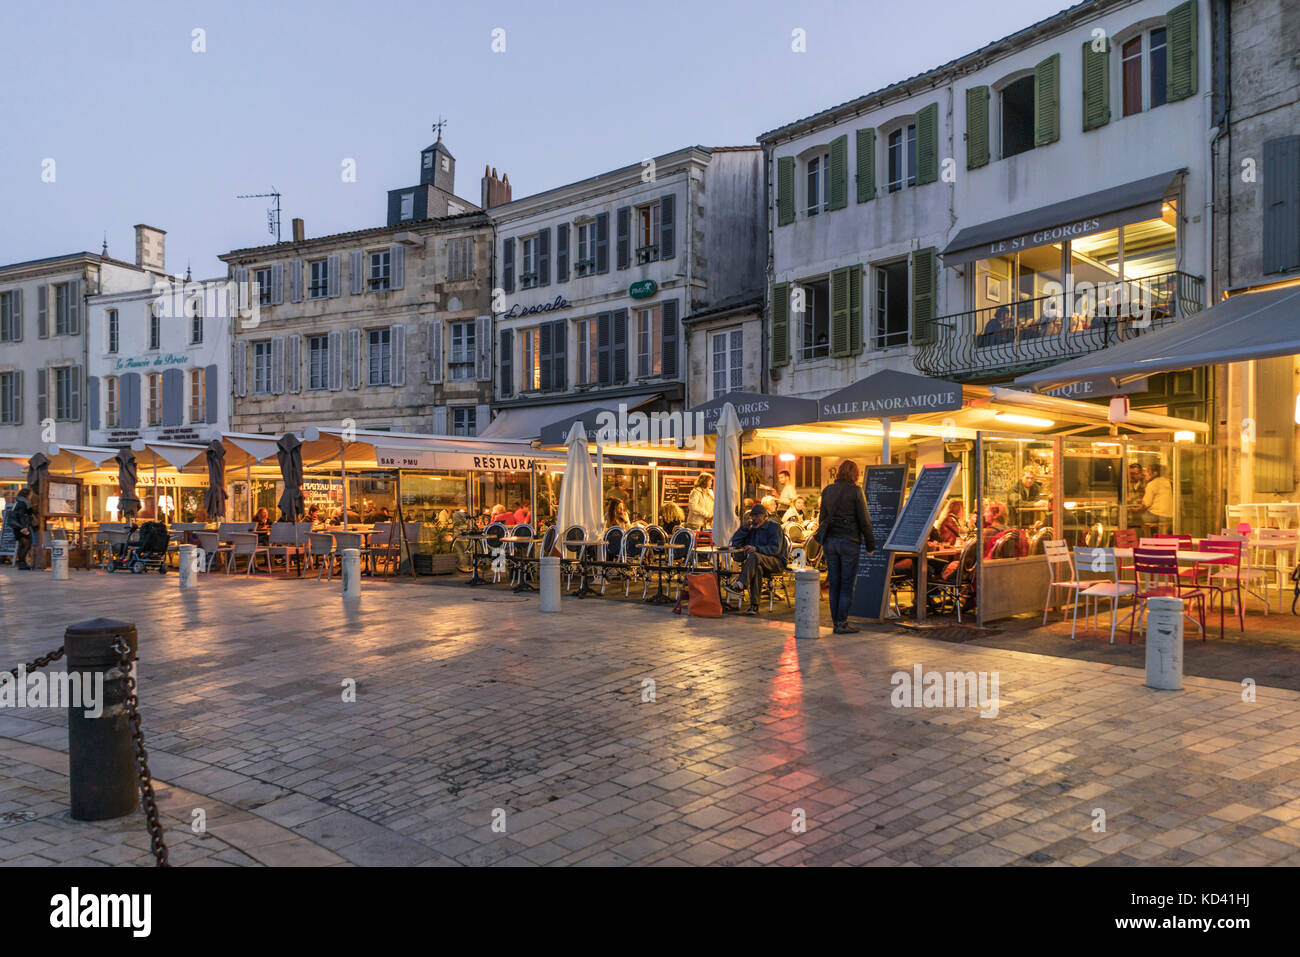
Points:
point(272, 212)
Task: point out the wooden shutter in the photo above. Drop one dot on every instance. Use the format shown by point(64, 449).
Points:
point(784, 190)
point(1274, 452)
point(277, 365)
point(433, 336)
point(74, 392)
point(618, 344)
point(927, 144)
point(1181, 40)
point(855, 310)
point(239, 371)
point(43, 312)
point(839, 288)
point(356, 272)
point(293, 364)
point(211, 394)
point(333, 283)
point(92, 401)
point(16, 304)
point(667, 227)
point(440, 420)
point(74, 309)
point(1047, 101)
point(17, 418)
point(42, 395)
point(670, 332)
point(780, 325)
point(277, 283)
point(1096, 84)
point(977, 127)
point(544, 257)
point(506, 383)
point(295, 280)
point(354, 358)
point(508, 264)
point(866, 162)
point(482, 417)
point(1282, 204)
point(483, 346)
point(173, 396)
point(602, 243)
point(128, 398)
point(559, 355)
point(624, 248)
point(396, 266)
point(544, 351)
point(604, 354)
point(924, 294)
point(562, 253)
point(397, 339)
point(334, 360)
point(839, 173)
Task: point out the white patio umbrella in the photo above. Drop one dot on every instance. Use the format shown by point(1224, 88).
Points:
point(579, 492)
point(726, 477)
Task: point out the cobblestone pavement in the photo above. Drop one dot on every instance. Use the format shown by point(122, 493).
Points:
point(473, 708)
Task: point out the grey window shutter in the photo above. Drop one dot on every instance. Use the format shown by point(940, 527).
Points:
point(839, 171)
point(604, 356)
point(562, 252)
point(239, 371)
point(18, 397)
point(602, 243)
point(483, 343)
point(560, 354)
point(927, 145)
point(277, 365)
point(1180, 77)
point(128, 398)
point(173, 398)
point(277, 283)
point(43, 312)
point(396, 266)
point(482, 417)
point(1282, 204)
point(356, 274)
point(92, 397)
point(354, 358)
point(506, 384)
point(544, 349)
point(243, 295)
point(397, 337)
point(667, 227)
point(293, 364)
point(623, 249)
point(74, 308)
point(334, 281)
point(1096, 85)
point(508, 264)
point(618, 344)
point(544, 257)
point(1047, 101)
point(17, 304)
point(866, 164)
point(784, 190)
point(211, 394)
point(42, 394)
point(74, 393)
point(295, 280)
point(434, 337)
point(669, 331)
point(440, 420)
point(780, 325)
point(977, 127)
point(334, 357)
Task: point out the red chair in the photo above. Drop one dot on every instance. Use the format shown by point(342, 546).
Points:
point(1160, 566)
point(1126, 538)
point(1227, 572)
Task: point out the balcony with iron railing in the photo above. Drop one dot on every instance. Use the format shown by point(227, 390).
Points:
point(981, 345)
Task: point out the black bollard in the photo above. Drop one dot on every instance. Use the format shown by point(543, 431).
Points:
point(101, 758)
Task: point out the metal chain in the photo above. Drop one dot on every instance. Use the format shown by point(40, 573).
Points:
point(40, 662)
point(147, 802)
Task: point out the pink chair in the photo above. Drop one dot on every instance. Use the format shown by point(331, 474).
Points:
point(1163, 581)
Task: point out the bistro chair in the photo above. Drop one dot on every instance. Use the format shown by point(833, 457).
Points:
point(212, 547)
point(1283, 553)
point(245, 545)
point(1038, 541)
point(611, 552)
point(383, 547)
point(1162, 580)
point(492, 536)
point(1100, 561)
point(1281, 515)
point(954, 591)
point(1060, 573)
point(320, 551)
point(634, 552)
point(1248, 573)
point(681, 546)
point(342, 542)
point(287, 539)
point(574, 533)
point(518, 551)
point(1240, 514)
point(1227, 577)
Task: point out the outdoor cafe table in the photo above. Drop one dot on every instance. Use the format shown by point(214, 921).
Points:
point(583, 547)
point(1277, 546)
point(521, 562)
point(478, 549)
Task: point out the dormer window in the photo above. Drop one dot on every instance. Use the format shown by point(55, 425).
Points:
point(428, 159)
point(408, 206)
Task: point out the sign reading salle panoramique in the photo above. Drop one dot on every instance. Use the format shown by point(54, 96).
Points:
point(889, 394)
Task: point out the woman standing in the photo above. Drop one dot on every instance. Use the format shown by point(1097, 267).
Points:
point(700, 504)
point(843, 530)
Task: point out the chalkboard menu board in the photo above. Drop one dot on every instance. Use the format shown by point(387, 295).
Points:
point(8, 544)
point(923, 504)
point(677, 488)
point(883, 487)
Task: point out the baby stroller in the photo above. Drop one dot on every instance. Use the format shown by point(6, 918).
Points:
point(145, 548)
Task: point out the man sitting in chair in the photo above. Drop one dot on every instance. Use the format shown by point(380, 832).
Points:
point(764, 544)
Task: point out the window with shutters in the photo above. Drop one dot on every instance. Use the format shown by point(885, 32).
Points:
point(817, 179)
point(464, 420)
point(9, 398)
point(901, 158)
point(460, 259)
point(155, 328)
point(319, 286)
point(646, 223)
point(588, 367)
point(531, 364)
point(112, 402)
point(380, 356)
point(1016, 109)
point(727, 373)
point(814, 318)
point(891, 305)
point(585, 264)
point(198, 395)
point(113, 334)
point(1143, 65)
point(262, 367)
point(461, 362)
point(64, 310)
point(9, 316)
point(380, 270)
point(528, 262)
point(196, 325)
point(649, 342)
point(318, 363)
point(153, 383)
point(407, 206)
point(263, 279)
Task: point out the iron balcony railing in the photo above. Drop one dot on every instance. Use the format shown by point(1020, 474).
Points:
point(988, 344)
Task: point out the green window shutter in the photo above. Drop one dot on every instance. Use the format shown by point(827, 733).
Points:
point(855, 310)
point(839, 191)
point(1096, 85)
point(780, 325)
point(1180, 77)
point(784, 190)
point(1047, 101)
point(927, 144)
point(839, 286)
point(924, 282)
point(866, 145)
point(977, 127)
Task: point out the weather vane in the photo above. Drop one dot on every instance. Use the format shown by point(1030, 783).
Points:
point(437, 127)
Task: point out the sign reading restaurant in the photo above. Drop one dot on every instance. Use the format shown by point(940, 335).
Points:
point(473, 461)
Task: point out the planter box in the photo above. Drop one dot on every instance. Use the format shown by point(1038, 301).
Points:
point(435, 564)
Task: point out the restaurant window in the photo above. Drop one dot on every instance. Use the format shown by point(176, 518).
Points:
point(588, 367)
point(818, 180)
point(815, 318)
point(155, 398)
point(1017, 103)
point(532, 360)
point(320, 279)
point(198, 395)
point(262, 367)
point(462, 359)
point(1142, 71)
point(263, 279)
point(586, 262)
point(728, 366)
point(464, 420)
point(112, 402)
point(647, 233)
point(380, 265)
point(114, 332)
point(381, 357)
point(649, 352)
point(901, 155)
point(1019, 476)
point(318, 363)
point(891, 305)
point(808, 471)
point(10, 398)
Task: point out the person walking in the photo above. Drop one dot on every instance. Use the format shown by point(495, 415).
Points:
point(20, 521)
point(842, 532)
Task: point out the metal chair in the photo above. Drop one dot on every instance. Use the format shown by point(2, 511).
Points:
point(494, 550)
point(1100, 561)
point(1161, 571)
point(1060, 572)
point(245, 545)
point(954, 591)
point(634, 550)
point(681, 546)
point(320, 551)
point(212, 547)
point(611, 550)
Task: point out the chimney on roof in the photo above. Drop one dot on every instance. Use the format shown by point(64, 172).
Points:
point(496, 192)
point(299, 230)
point(149, 247)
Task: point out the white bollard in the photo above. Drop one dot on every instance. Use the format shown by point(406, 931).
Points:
point(189, 566)
point(807, 603)
point(351, 573)
point(1165, 644)
point(550, 582)
point(59, 559)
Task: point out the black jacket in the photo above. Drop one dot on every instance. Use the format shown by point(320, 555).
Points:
point(844, 515)
point(20, 516)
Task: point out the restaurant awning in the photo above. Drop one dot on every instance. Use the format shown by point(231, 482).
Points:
point(528, 422)
point(555, 432)
point(70, 459)
point(244, 448)
point(13, 468)
point(890, 394)
point(177, 455)
point(756, 410)
point(1080, 216)
point(1252, 325)
point(366, 449)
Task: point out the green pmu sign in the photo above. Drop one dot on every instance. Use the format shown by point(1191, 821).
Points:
point(642, 289)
